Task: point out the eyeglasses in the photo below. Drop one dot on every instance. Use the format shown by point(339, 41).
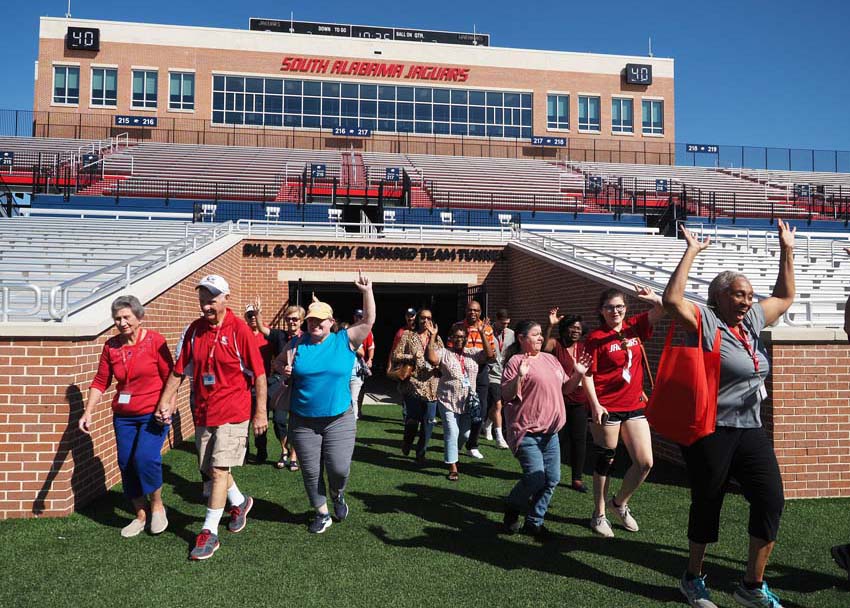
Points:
point(425, 318)
point(614, 308)
point(293, 319)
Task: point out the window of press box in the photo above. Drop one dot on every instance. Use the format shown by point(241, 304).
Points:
point(144, 89)
point(66, 84)
point(621, 115)
point(588, 113)
point(104, 87)
point(652, 112)
point(387, 108)
point(181, 91)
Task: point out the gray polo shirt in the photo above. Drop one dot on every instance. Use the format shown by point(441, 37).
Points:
point(738, 400)
point(502, 343)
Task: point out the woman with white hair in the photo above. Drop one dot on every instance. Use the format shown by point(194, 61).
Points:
point(739, 447)
point(140, 362)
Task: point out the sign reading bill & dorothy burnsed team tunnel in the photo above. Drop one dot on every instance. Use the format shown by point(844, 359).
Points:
point(351, 252)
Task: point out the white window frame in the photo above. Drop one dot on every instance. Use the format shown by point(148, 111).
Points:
point(144, 104)
point(652, 130)
point(179, 106)
point(622, 98)
point(102, 102)
point(557, 94)
point(581, 129)
point(66, 67)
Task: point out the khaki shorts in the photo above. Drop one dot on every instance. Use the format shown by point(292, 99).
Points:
point(222, 446)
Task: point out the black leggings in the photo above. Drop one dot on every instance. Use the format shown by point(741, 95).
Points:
point(573, 438)
point(747, 456)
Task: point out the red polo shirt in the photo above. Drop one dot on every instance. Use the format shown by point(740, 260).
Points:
point(227, 352)
point(148, 363)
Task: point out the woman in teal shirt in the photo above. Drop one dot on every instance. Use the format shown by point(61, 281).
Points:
point(322, 423)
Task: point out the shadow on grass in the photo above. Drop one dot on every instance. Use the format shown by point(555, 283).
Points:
point(460, 526)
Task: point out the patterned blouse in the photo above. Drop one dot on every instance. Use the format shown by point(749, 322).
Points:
point(423, 382)
point(451, 392)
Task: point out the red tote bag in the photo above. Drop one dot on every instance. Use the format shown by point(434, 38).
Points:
point(683, 405)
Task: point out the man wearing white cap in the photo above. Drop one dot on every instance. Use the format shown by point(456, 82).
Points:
point(221, 356)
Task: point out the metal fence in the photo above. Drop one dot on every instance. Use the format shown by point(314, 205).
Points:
point(640, 151)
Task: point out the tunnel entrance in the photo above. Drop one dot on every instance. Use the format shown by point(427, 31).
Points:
point(446, 302)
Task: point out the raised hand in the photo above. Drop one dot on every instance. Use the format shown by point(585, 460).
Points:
point(524, 366)
point(554, 317)
point(431, 327)
point(647, 294)
point(363, 284)
point(290, 361)
point(313, 296)
point(257, 305)
point(694, 242)
point(582, 364)
point(786, 234)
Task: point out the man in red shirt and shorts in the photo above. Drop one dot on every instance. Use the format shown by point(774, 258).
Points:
point(221, 357)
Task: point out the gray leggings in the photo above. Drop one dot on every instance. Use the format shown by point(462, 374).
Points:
point(325, 443)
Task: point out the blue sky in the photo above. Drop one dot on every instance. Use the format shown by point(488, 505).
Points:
point(754, 72)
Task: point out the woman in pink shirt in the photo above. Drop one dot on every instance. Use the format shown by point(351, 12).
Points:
point(533, 388)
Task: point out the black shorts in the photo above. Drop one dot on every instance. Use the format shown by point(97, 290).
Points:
point(494, 393)
point(620, 417)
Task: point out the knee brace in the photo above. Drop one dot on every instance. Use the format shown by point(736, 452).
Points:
point(604, 460)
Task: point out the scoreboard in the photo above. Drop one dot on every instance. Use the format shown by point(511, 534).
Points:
point(287, 26)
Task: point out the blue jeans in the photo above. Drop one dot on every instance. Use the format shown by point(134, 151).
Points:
point(139, 444)
point(539, 456)
point(420, 419)
point(455, 432)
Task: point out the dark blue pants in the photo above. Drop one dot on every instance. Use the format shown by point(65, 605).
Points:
point(139, 441)
point(420, 419)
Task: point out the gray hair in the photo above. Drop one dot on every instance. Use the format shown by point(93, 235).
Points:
point(721, 283)
point(131, 302)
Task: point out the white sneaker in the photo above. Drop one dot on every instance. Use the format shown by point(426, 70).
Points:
point(475, 453)
point(487, 431)
point(624, 515)
point(501, 443)
point(601, 526)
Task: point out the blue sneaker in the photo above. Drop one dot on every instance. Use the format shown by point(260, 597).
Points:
point(340, 508)
point(756, 598)
point(696, 592)
point(320, 523)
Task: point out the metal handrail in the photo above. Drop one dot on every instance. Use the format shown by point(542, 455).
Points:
point(7, 309)
point(59, 306)
point(337, 229)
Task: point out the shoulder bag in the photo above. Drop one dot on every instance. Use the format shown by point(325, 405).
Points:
point(683, 405)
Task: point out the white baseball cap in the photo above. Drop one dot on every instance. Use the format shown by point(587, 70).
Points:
point(215, 284)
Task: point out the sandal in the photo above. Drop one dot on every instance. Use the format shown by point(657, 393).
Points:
point(293, 465)
point(453, 476)
point(282, 463)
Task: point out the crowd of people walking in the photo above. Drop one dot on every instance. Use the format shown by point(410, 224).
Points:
point(534, 390)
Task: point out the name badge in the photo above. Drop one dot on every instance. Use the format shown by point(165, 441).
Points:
point(209, 379)
point(465, 382)
point(762, 391)
point(627, 376)
point(124, 398)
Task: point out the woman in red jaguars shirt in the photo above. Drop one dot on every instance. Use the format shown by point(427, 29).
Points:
point(614, 387)
point(140, 362)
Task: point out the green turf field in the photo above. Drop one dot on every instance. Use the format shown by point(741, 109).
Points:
point(413, 539)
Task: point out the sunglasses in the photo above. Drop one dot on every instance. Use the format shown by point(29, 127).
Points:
point(293, 319)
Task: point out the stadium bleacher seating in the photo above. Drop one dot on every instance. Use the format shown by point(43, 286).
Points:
point(174, 171)
point(78, 256)
point(747, 198)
